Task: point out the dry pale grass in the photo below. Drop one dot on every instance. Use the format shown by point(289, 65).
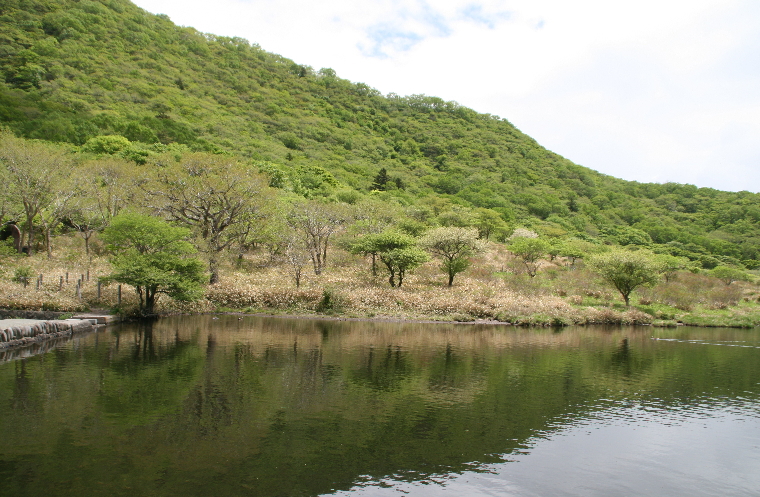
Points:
point(486, 291)
point(477, 294)
point(688, 291)
point(259, 285)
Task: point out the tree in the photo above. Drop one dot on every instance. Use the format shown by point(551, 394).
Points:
point(574, 249)
point(381, 180)
point(296, 256)
point(58, 209)
point(366, 246)
point(671, 264)
point(33, 172)
point(728, 274)
point(556, 247)
point(105, 188)
point(454, 246)
point(214, 196)
point(488, 222)
point(153, 257)
point(626, 270)
point(397, 251)
point(317, 221)
point(529, 251)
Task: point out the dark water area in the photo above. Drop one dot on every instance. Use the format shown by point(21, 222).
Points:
point(203, 406)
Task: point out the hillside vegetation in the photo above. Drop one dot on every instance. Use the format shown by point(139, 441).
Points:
point(75, 70)
point(120, 102)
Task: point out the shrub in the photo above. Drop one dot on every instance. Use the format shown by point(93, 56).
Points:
point(331, 302)
point(22, 274)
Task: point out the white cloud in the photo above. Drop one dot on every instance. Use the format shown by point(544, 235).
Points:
point(646, 90)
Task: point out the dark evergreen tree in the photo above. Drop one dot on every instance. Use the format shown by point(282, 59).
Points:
point(381, 180)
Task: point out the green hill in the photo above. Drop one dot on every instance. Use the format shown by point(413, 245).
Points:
point(76, 70)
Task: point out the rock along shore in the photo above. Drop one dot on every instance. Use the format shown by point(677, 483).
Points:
point(19, 331)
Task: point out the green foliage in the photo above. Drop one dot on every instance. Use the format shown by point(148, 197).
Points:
point(114, 79)
point(529, 251)
point(330, 303)
point(626, 270)
point(22, 274)
point(397, 251)
point(220, 200)
point(454, 246)
point(381, 180)
point(671, 264)
point(109, 144)
point(154, 257)
point(728, 274)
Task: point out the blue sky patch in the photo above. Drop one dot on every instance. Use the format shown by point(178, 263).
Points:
point(388, 37)
point(475, 13)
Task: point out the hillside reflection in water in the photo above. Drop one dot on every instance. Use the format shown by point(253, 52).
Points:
point(271, 407)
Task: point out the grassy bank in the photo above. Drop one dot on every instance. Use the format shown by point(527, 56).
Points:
point(493, 289)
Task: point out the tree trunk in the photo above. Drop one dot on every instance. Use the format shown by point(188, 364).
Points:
point(150, 301)
point(87, 234)
point(139, 291)
point(29, 239)
point(48, 247)
point(213, 267)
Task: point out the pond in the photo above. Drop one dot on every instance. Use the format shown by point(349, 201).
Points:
point(254, 406)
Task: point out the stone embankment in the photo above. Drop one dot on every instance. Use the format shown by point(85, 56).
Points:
point(19, 331)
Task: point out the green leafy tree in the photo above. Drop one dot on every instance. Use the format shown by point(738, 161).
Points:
point(530, 251)
point(728, 274)
point(574, 249)
point(454, 246)
point(671, 264)
point(155, 258)
point(106, 144)
point(626, 270)
point(556, 247)
point(488, 222)
point(397, 251)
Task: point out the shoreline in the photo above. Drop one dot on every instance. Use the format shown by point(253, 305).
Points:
point(51, 329)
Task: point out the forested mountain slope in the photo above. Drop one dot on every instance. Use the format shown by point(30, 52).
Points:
point(76, 70)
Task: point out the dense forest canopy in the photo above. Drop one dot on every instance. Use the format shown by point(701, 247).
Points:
point(107, 79)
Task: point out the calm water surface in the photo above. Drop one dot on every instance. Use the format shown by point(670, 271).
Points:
point(283, 407)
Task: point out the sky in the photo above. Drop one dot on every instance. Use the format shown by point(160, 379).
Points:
point(650, 91)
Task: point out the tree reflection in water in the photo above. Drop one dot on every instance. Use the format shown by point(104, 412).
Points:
point(202, 406)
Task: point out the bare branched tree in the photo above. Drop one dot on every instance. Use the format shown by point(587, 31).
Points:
point(35, 175)
point(214, 196)
point(296, 256)
point(316, 222)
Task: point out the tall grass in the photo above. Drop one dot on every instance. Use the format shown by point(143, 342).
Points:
point(489, 290)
